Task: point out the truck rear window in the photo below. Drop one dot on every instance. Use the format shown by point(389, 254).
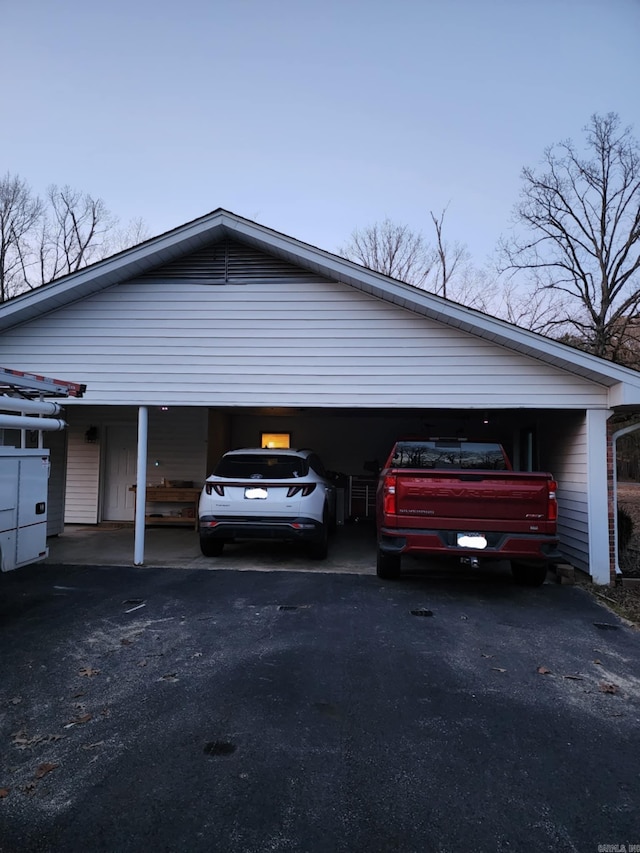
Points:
point(258, 467)
point(448, 454)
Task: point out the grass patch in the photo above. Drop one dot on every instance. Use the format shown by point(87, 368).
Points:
point(623, 601)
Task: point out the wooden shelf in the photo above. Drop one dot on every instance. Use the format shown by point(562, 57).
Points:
point(171, 495)
point(150, 520)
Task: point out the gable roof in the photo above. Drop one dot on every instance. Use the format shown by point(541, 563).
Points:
point(221, 224)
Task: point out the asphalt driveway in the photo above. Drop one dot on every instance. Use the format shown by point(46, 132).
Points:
point(194, 710)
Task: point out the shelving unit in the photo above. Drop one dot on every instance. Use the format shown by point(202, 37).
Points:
point(170, 495)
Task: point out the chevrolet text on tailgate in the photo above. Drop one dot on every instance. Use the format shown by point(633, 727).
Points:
point(458, 498)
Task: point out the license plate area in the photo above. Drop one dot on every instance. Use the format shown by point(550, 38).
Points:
point(471, 540)
point(255, 493)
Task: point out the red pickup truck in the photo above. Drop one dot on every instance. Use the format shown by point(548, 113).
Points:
point(451, 497)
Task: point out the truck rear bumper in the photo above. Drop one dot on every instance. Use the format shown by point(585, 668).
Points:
point(444, 543)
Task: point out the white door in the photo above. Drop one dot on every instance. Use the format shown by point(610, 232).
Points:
point(120, 473)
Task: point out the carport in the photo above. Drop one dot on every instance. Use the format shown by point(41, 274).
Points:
point(221, 330)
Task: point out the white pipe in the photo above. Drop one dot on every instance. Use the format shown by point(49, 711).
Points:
point(29, 407)
point(141, 486)
point(17, 422)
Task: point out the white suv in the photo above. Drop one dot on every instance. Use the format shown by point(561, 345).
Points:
point(257, 493)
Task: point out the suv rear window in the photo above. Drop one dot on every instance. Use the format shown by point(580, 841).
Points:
point(259, 467)
point(449, 454)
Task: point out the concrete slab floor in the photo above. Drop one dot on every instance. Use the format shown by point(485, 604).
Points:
point(351, 550)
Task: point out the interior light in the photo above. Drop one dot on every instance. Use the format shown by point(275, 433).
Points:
point(275, 439)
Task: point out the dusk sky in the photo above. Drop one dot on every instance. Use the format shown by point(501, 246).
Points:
point(311, 118)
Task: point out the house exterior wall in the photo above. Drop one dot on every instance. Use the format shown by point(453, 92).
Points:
point(308, 342)
point(191, 337)
point(566, 456)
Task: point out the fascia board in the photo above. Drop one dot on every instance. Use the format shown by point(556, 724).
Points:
point(624, 394)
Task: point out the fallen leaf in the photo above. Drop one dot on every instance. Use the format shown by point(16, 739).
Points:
point(599, 662)
point(125, 642)
point(574, 677)
point(4, 792)
point(44, 768)
point(142, 663)
point(79, 720)
point(543, 670)
point(16, 700)
point(482, 655)
point(170, 676)
point(609, 688)
point(464, 617)
point(498, 669)
point(22, 741)
point(93, 745)
point(88, 671)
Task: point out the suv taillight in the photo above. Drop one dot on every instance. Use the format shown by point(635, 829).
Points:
point(552, 501)
point(218, 488)
point(389, 494)
point(305, 490)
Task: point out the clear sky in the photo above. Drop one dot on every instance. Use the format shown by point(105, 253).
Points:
point(311, 117)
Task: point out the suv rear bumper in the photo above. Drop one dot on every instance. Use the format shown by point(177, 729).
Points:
point(500, 546)
point(297, 529)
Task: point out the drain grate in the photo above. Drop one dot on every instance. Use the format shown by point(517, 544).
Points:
point(422, 612)
point(219, 747)
point(606, 626)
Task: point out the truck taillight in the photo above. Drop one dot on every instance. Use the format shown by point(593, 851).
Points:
point(552, 502)
point(389, 495)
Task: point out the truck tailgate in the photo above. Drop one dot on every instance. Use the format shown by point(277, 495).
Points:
point(504, 495)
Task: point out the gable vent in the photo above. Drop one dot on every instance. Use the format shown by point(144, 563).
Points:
point(229, 261)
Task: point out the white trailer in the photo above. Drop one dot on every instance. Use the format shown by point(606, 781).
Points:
point(24, 479)
point(24, 472)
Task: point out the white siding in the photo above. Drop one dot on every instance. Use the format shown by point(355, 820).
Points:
point(83, 469)
point(307, 342)
point(566, 456)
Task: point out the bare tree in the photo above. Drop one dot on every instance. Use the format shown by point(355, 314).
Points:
point(475, 288)
point(449, 258)
point(392, 249)
point(40, 242)
point(397, 251)
point(583, 217)
point(19, 215)
point(72, 233)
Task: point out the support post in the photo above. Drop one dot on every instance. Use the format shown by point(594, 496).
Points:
point(141, 486)
point(598, 496)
